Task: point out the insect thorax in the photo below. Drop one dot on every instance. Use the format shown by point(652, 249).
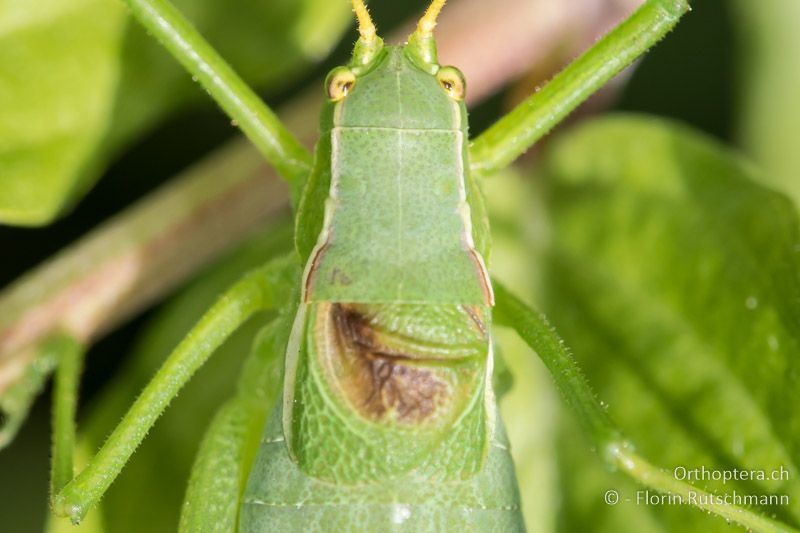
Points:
point(398, 203)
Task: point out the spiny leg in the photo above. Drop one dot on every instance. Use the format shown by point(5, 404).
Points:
point(16, 402)
point(513, 134)
point(534, 329)
point(280, 148)
point(65, 402)
point(213, 496)
point(262, 289)
point(223, 462)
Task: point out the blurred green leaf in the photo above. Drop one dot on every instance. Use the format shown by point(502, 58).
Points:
point(674, 277)
point(59, 65)
point(768, 88)
point(78, 82)
point(147, 495)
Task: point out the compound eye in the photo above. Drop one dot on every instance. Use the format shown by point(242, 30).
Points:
point(452, 81)
point(339, 83)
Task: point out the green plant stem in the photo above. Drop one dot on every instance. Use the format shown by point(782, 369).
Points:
point(537, 333)
point(69, 354)
point(513, 134)
point(276, 143)
point(262, 289)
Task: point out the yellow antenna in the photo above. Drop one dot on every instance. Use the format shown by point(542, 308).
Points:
point(365, 26)
point(428, 21)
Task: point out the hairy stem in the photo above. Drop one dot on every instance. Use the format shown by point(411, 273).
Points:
point(517, 131)
point(537, 333)
point(276, 143)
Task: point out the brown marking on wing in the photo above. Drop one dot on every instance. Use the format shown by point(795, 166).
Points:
point(312, 272)
point(483, 278)
point(383, 380)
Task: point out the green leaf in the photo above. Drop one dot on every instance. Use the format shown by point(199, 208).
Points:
point(59, 68)
point(674, 276)
point(156, 477)
point(78, 83)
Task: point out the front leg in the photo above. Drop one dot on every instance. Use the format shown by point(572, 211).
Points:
point(69, 357)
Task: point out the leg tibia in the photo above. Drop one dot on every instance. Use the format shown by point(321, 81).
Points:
point(212, 497)
point(65, 401)
point(260, 290)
